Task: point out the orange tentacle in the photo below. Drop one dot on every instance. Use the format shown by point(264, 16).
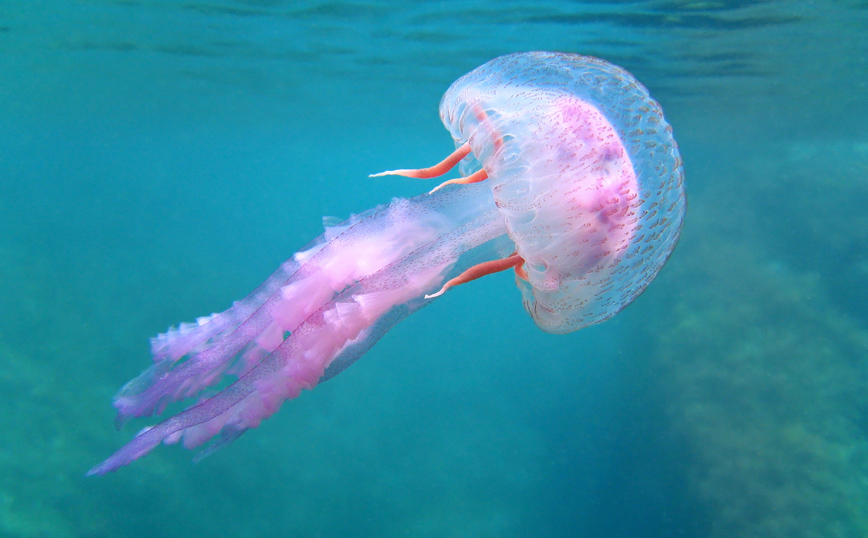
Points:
point(476, 177)
point(433, 171)
point(480, 270)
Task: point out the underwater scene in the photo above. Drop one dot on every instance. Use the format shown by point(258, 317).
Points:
point(159, 160)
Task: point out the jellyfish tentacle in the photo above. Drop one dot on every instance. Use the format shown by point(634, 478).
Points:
point(480, 270)
point(521, 272)
point(485, 123)
point(476, 177)
point(437, 170)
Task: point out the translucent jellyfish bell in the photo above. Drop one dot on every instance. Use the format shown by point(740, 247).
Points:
point(585, 171)
point(571, 178)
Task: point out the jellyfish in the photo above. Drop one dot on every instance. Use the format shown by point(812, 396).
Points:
point(570, 178)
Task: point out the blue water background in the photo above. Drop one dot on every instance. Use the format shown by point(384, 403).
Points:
point(159, 159)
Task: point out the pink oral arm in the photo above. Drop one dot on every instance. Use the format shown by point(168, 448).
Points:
point(345, 294)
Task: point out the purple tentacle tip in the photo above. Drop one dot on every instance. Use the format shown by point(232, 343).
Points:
point(143, 443)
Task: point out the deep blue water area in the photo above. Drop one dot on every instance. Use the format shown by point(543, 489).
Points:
point(158, 160)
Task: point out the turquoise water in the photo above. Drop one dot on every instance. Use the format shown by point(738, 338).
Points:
point(159, 159)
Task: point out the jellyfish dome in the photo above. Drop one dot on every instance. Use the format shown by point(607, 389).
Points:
point(584, 169)
point(571, 178)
